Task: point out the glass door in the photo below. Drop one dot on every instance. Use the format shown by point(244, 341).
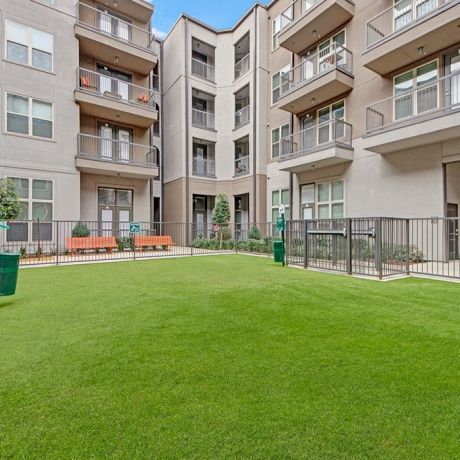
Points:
point(452, 68)
point(106, 142)
point(104, 21)
point(124, 138)
point(329, 131)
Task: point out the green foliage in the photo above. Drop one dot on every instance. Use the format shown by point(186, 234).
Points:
point(125, 243)
point(10, 206)
point(254, 246)
point(221, 213)
point(254, 233)
point(80, 231)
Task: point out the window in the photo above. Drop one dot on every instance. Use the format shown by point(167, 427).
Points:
point(29, 46)
point(28, 116)
point(279, 83)
point(328, 130)
point(36, 197)
point(416, 91)
point(280, 140)
point(280, 197)
point(330, 199)
point(279, 23)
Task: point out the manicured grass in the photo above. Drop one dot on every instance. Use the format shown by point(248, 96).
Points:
point(227, 357)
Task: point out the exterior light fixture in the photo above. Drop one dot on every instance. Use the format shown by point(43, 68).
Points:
point(421, 51)
point(116, 59)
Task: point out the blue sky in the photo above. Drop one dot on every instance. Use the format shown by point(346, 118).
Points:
point(217, 13)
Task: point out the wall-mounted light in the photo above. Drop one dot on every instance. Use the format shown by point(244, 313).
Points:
point(116, 59)
point(313, 100)
point(115, 3)
point(421, 51)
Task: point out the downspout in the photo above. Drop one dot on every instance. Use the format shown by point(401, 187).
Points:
point(162, 142)
point(254, 122)
point(291, 174)
point(187, 153)
point(151, 187)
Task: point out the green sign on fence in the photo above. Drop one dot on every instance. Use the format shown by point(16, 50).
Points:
point(134, 227)
point(280, 224)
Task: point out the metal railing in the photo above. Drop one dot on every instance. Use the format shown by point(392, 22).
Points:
point(242, 166)
point(102, 21)
point(318, 137)
point(399, 16)
point(204, 167)
point(116, 151)
point(115, 89)
point(203, 70)
point(242, 117)
point(203, 119)
point(333, 57)
point(242, 66)
point(433, 97)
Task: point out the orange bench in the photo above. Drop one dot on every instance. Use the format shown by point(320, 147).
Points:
point(91, 242)
point(141, 241)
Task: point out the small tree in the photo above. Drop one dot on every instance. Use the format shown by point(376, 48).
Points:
point(221, 215)
point(10, 206)
point(254, 233)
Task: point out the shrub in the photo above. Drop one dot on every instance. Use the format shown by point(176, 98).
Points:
point(226, 233)
point(80, 231)
point(125, 243)
point(254, 233)
point(10, 206)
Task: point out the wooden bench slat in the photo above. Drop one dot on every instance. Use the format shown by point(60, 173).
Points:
point(152, 241)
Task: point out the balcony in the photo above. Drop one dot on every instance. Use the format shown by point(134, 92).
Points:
point(203, 70)
point(322, 145)
point(204, 167)
point(312, 20)
point(427, 114)
point(242, 117)
point(242, 166)
point(242, 67)
point(201, 119)
point(109, 157)
point(110, 39)
point(322, 76)
point(399, 35)
point(117, 100)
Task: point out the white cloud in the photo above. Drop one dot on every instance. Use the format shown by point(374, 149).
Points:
point(158, 33)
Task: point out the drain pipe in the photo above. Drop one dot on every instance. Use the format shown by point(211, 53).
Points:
point(254, 122)
point(187, 153)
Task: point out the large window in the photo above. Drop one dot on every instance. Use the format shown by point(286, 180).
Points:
point(36, 197)
point(279, 23)
point(280, 140)
point(29, 46)
point(280, 197)
point(416, 91)
point(32, 117)
point(330, 199)
point(278, 82)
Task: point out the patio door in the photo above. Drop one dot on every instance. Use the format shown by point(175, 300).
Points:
point(452, 67)
point(114, 82)
point(115, 142)
point(106, 218)
point(453, 229)
point(106, 142)
point(328, 131)
point(124, 137)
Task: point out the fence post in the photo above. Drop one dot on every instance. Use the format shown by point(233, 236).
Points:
point(57, 242)
point(305, 244)
point(408, 246)
point(348, 227)
point(288, 242)
point(378, 247)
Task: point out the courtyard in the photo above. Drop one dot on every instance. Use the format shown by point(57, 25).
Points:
point(228, 356)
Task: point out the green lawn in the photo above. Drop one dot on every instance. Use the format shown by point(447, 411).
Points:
point(227, 357)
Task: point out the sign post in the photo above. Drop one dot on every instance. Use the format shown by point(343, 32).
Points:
point(134, 229)
point(281, 226)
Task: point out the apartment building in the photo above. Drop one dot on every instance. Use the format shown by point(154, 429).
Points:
point(356, 110)
point(80, 111)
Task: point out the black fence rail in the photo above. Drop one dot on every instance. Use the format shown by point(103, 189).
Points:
point(378, 246)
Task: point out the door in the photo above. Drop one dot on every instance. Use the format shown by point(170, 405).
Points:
point(201, 159)
point(308, 137)
point(105, 21)
point(124, 219)
point(114, 82)
point(452, 68)
point(106, 222)
point(106, 142)
point(453, 229)
point(124, 138)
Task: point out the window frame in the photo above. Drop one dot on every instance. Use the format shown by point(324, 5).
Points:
point(330, 202)
point(414, 90)
point(280, 202)
point(283, 71)
point(279, 20)
point(30, 116)
point(30, 48)
point(30, 200)
point(280, 138)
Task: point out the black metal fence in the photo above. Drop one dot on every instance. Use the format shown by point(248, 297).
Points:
point(378, 247)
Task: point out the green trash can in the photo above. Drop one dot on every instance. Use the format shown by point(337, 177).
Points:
point(278, 250)
point(9, 266)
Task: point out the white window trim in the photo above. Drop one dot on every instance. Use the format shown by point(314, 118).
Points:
point(283, 71)
point(281, 27)
point(29, 44)
point(29, 116)
point(280, 131)
point(330, 202)
point(414, 89)
point(277, 206)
